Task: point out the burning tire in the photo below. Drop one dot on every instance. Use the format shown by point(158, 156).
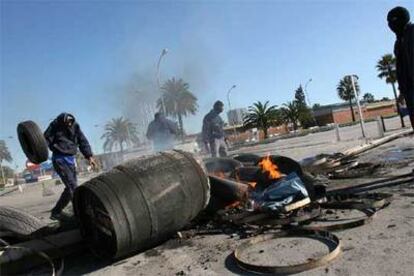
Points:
point(248, 159)
point(216, 165)
point(19, 223)
point(32, 142)
point(287, 165)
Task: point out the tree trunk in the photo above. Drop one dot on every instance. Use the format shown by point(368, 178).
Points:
point(122, 151)
point(2, 174)
point(398, 104)
point(180, 123)
point(265, 132)
point(352, 110)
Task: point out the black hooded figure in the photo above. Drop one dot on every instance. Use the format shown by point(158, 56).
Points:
point(399, 22)
point(64, 136)
point(213, 131)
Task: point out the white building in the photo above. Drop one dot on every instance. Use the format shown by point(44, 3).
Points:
point(235, 116)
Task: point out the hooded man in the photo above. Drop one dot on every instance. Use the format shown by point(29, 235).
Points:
point(64, 137)
point(162, 132)
point(399, 22)
point(213, 132)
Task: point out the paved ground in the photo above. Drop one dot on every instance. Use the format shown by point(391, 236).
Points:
point(324, 142)
point(381, 248)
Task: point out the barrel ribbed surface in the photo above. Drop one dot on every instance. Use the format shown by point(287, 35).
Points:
point(140, 203)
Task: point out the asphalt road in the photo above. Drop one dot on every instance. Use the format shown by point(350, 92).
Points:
point(382, 247)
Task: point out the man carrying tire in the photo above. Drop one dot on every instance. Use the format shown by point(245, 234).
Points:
point(63, 137)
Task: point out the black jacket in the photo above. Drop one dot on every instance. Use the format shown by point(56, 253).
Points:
point(404, 53)
point(65, 140)
point(212, 126)
point(162, 130)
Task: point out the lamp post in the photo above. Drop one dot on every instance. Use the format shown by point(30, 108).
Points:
point(163, 53)
point(361, 117)
point(228, 100)
point(306, 92)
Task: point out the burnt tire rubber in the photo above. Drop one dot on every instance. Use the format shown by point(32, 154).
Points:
point(287, 165)
point(33, 142)
point(221, 164)
point(18, 222)
point(248, 159)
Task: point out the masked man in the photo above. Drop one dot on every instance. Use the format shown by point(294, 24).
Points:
point(213, 132)
point(399, 22)
point(64, 137)
point(162, 132)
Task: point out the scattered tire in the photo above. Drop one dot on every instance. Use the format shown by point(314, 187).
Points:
point(248, 159)
point(32, 142)
point(18, 222)
point(221, 165)
point(287, 165)
point(362, 170)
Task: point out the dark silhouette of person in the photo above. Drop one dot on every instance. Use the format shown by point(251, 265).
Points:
point(213, 131)
point(162, 132)
point(399, 22)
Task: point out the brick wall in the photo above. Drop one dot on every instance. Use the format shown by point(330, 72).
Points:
point(343, 115)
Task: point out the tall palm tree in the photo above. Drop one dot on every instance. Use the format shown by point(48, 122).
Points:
point(261, 116)
point(291, 112)
point(119, 131)
point(346, 92)
point(386, 67)
point(178, 100)
point(4, 156)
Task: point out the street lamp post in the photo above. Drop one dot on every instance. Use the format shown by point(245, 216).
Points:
point(163, 53)
point(228, 100)
point(306, 92)
point(361, 117)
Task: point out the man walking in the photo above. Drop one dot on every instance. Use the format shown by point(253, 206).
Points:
point(213, 132)
point(64, 136)
point(162, 132)
point(399, 22)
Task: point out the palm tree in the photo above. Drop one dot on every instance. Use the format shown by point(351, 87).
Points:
point(346, 92)
point(4, 156)
point(291, 112)
point(386, 67)
point(261, 116)
point(119, 131)
point(178, 101)
point(369, 98)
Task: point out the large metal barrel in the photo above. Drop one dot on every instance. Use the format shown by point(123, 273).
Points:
point(140, 203)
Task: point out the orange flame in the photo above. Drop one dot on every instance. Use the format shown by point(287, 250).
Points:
point(267, 166)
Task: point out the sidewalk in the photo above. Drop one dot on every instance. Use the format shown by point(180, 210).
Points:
point(323, 142)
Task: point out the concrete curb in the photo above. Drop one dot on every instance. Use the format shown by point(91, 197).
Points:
point(375, 143)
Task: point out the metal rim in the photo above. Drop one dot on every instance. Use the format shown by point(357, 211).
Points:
point(322, 236)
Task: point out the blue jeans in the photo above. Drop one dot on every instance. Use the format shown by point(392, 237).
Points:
point(67, 173)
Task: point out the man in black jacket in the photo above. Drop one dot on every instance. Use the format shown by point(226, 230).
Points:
point(162, 132)
point(213, 131)
point(64, 136)
point(399, 22)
